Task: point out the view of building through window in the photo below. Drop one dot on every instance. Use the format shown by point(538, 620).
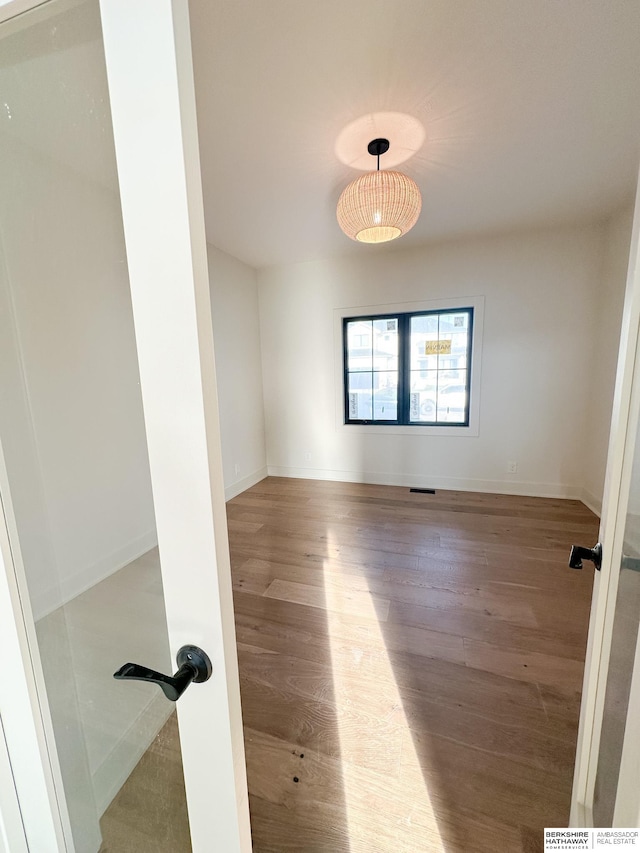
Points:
point(408, 368)
point(373, 361)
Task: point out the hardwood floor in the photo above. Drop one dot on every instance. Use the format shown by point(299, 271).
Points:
point(149, 812)
point(410, 665)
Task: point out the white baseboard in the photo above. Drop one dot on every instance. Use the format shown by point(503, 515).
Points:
point(49, 600)
point(591, 501)
point(502, 487)
point(245, 483)
point(83, 580)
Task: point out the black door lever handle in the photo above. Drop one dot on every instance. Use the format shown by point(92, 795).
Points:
point(578, 554)
point(193, 663)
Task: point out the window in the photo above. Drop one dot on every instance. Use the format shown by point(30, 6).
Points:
point(408, 369)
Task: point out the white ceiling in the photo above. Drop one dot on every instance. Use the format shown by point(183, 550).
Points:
point(531, 110)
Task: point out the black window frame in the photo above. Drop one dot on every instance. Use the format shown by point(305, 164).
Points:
point(404, 368)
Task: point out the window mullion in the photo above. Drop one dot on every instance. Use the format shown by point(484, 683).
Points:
point(437, 414)
point(404, 363)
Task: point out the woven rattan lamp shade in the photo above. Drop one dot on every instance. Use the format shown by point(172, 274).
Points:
point(379, 206)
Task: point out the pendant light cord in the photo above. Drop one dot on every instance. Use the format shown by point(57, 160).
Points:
point(377, 147)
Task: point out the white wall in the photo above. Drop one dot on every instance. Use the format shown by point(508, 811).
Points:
point(73, 326)
point(72, 419)
point(540, 292)
point(236, 327)
point(604, 352)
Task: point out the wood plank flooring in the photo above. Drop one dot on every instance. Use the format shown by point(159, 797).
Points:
point(410, 665)
point(149, 812)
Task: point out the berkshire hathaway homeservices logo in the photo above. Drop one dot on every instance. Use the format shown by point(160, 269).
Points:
point(591, 839)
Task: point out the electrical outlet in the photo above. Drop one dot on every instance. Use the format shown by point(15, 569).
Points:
point(237, 468)
point(512, 467)
point(307, 456)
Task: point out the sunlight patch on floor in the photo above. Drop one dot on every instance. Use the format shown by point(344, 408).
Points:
point(387, 803)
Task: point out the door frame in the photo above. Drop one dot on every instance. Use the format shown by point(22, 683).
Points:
point(149, 64)
point(26, 718)
point(624, 424)
point(12, 837)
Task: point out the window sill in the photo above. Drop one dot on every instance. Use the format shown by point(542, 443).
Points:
point(470, 431)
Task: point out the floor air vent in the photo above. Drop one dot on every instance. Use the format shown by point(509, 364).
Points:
point(424, 491)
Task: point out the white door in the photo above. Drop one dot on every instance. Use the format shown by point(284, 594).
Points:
point(606, 789)
point(113, 537)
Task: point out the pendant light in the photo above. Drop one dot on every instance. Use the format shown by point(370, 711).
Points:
point(381, 205)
